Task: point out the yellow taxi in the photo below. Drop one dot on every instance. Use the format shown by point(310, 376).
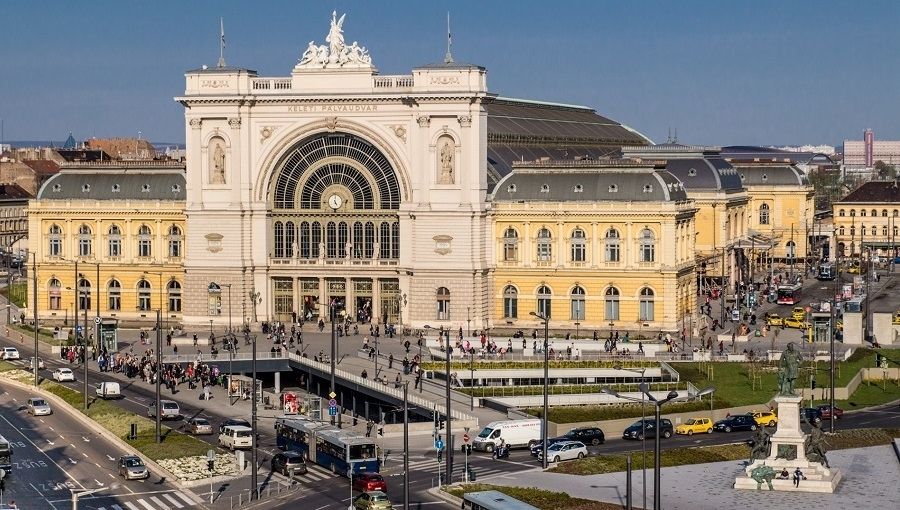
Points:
point(799, 313)
point(773, 319)
point(796, 323)
point(698, 425)
point(765, 418)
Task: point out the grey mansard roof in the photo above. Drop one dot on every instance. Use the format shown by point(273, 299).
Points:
point(120, 181)
point(771, 175)
point(565, 182)
point(698, 167)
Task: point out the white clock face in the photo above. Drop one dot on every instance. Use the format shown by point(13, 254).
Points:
point(335, 201)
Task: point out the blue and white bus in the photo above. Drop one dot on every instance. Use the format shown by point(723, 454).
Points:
point(327, 446)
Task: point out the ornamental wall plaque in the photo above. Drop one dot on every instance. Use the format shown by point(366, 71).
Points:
point(442, 244)
point(214, 242)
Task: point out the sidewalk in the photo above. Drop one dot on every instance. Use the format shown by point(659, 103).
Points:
point(869, 481)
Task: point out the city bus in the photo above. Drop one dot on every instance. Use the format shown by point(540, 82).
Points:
point(6, 452)
point(327, 446)
point(790, 294)
point(493, 500)
point(827, 272)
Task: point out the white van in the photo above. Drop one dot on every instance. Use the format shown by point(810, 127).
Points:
point(513, 433)
point(235, 437)
point(108, 390)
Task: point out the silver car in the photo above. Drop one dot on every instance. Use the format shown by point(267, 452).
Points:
point(133, 468)
point(565, 450)
point(40, 363)
point(38, 407)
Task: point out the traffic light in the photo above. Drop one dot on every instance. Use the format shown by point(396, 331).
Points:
point(814, 383)
point(441, 425)
point(381, 430)
point(877, 360)
point(435, 416)
point(209, 465)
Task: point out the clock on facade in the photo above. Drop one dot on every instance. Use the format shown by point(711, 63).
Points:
point(335, 201)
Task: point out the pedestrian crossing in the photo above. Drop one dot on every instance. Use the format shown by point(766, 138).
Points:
point(174, 500)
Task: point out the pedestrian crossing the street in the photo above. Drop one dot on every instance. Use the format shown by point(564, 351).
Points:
point(174, 500)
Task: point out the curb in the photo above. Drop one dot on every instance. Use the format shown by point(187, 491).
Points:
point(102, 432)
point(445, 496)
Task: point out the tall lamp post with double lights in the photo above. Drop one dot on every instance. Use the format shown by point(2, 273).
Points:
point(546, 320)
point(34, 307)
point(658, 403)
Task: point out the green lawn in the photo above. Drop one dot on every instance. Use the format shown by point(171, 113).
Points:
point(27, 335)
point(543, 499)
point(871, 393)
point(16, 293)
point(174, 444)
point(598, 464)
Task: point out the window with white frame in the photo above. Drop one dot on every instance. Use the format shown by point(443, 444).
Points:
point(544, 245)
point(510, 245)
point(576, 300)
point(510, 302)
point(443, 304)
point(647, 245)
point(647, 301)
point(611, 304)
point(613, 249)
point(544, 298)
point(579, 251)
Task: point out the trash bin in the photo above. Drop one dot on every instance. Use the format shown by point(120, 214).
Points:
point(471, 475)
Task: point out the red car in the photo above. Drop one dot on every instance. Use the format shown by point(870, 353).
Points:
point(369, 482)
point(826, 412)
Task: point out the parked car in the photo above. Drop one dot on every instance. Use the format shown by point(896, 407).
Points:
point(773, 319)
point(131, 467)
point(170, 410)
point(695, 426)
point(812, 415)
point(645, 428)
point(40, 363)
point(798, 313)
point(587, 435)
point(826, 412)
point(565, 450)
point(63, 374)
point(369, 482)
point(38, 407)
point(199, 426)
point(796, 323)
point(233, 421)
point(765, 418)
point(9, 353)
point(289, 463)
point(372, 500)
point(736, 422)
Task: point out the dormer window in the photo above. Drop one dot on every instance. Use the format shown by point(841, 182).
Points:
point(648, 188)
point(578, 188)
point(176, 188)
point(613, 188)
point(692, 172)
point(145, 188)
point(85, 188)
point(765, 177)
point(545, 188)
point(511, 188)
point(116, 188)
point(57, 188)
point(742, 177)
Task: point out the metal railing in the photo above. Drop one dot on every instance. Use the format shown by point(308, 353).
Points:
point(222, 356)
point(673, 374)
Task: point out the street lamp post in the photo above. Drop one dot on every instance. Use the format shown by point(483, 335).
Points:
point(35, 309)
point(641, 371)
point(471, 379)
point(406, 445)
point(469, 320)
point(229, 307)
point(255, 442)
point(546, 321)
point(671, 397)
point(448, 464)
point(158, 375)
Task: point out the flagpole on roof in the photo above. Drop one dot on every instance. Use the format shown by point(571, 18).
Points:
point(448, 58)
point(221, 43)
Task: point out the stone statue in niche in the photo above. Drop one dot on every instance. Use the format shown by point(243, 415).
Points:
point(446, 161)
point(376, 250)
point(217, 162)
point(348, 250)
point(321, 251)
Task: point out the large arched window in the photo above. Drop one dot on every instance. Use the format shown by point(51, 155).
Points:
point(611, 304)
point(764, 214)
point(84, 241)
point(852, 212)
point(54, 239)
point(613, 249)
point(114, 295)
point(578, 245)
point(510, 302)
point(114, 241)
point(279, 239)
point(174, 293)
point(55, 294)
point(544, 245)
point(443, 304)
point(144, 291)
point(544, 298)
point(84, 294)
point(213, 299)
point(576, 300)
point(510, 245)
point(175, 241)
point(145, 242)
point(647, 311)
point(647, 245)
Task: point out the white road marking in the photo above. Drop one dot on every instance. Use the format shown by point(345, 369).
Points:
point(73, 461)
point(172, 500)
point(110, 457)
point(85, 455)
point(187, 499)
point(86, 440)
point(51, 428)
point(117, 507)
point(98, 482)
point(42, 420)
point(98, 465)
point(145, 504)
point(111, 476)
point(42, 495)
point(131, 506)
point(49, 441)
point(160, 503)
point(42, 451)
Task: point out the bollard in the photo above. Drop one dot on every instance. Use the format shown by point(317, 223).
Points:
point(132, 435)
point(628, 482)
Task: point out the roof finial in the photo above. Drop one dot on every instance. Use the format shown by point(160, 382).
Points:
point(675, 139)
point(221, 63)
point(669, 136)
point(448, 58)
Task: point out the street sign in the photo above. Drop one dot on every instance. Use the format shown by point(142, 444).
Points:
point(97, 320)
point(332, 411)
point(78, 328)
point(332, 403)
point(439, 445)
point(210, 455)
point(332, 395)
point(465, 438)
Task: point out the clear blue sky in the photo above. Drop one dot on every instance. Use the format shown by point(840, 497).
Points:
point(754, 72)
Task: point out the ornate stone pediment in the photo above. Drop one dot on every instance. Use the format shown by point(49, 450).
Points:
point(336, 54)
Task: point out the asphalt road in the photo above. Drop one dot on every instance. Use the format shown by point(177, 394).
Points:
point(55, 454)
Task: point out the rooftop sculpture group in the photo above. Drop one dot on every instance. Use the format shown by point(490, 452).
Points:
point(336, 53)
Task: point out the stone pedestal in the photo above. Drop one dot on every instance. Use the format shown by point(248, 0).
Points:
point(789, 452)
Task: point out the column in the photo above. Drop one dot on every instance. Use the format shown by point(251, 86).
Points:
point(377, 310)
point(277, 382)
point(349, 297)
point(323, 299)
